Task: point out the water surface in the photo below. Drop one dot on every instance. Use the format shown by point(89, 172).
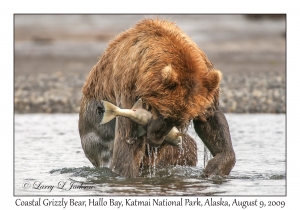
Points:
point(49, 160)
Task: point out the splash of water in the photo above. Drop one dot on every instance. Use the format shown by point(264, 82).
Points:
point(141, 168)
point(181, 153)
point(150, 157)
point(207, 156)
point(154, 161)
point(172, 154)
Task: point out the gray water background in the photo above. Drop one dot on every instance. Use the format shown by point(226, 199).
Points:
point(47, 152)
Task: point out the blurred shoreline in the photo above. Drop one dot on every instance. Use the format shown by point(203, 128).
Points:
point(53, 55)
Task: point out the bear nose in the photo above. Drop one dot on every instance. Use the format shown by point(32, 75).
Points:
point(155, 141)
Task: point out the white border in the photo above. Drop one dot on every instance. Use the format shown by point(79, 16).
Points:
point(8, 8)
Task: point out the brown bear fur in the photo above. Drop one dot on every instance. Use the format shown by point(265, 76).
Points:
point(133, 65)
point(173, 155)
point(159, 63)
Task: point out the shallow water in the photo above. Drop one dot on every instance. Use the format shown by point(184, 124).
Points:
point(49, 160)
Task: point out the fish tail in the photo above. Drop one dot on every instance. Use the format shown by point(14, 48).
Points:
point(110, 112)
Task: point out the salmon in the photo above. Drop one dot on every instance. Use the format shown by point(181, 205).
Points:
point(141, 117)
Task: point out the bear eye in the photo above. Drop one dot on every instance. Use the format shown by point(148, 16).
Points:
point(172, 86)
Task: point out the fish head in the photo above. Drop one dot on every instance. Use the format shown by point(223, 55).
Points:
point(178, 139)
point(174, 137)
point(175, 142)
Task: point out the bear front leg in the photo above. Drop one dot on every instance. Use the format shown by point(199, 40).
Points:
point(96, 140)
point(216, 136)
point(127, 157)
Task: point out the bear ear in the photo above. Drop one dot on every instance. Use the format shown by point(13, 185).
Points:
point(213, 80)
point(169, 76)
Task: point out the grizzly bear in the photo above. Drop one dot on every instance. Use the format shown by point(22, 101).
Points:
point(156, 61)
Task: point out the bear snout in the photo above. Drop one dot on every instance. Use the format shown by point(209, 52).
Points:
point(157, 129)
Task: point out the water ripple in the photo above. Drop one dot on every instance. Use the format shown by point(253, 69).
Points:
point(85, 172)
